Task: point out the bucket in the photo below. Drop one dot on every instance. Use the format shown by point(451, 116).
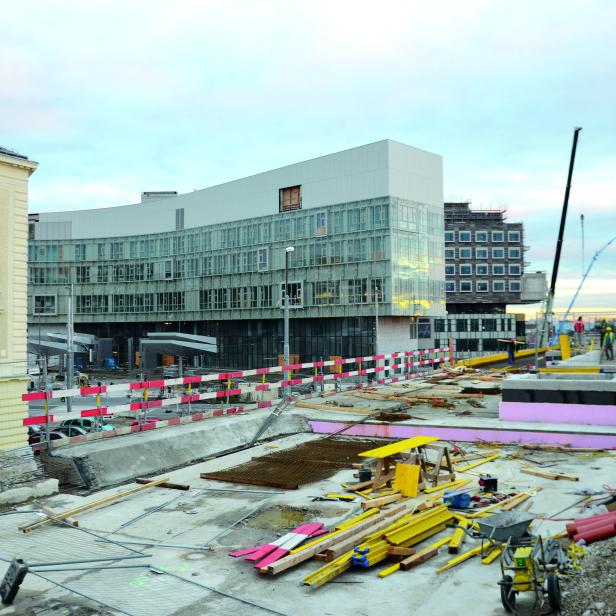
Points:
point(365, 474)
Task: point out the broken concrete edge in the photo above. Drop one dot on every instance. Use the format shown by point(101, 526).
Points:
point(22, 494)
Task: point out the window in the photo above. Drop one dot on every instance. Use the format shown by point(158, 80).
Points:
point(262, 259)
point(450, 270)
point(102, 275)
point(179, 219)
point(474, 325)
point(498, 236)
point(514, 253)
point(440, 325)
point(498, 253)
point(296, 294)
point(481, 269)
point(168, 271)
point(44, 304)
point(466, 286)
point(117, 250)
point(461, 325)
point(464, 236)
point(467, 344)
point(320, 221)
point(450, 236)
point(450, 253)
point(358, 291)
point(413, 329)
point(481, 253)
point(514, 269)
point(466, 269)
point(514, 286)
point(498, 286)
point(424, 328)
point(80, 252)
point(326, 292)
point(498, 269)
point(466, 253)
point(82, 273)
point(488, 325)
point(513, 236)
point(101, 251)
point(450, 286)
point(290, 199)
point(481, 236)
point(482, 286)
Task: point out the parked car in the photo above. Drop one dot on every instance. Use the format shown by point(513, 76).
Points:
point(71, 430)
point(89, 424)
point(37, 436)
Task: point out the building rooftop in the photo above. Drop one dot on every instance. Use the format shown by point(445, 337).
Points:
point(12, 153)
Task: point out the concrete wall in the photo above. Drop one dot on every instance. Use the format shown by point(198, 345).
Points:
point(394, 335)
point(117, 460)
point(370, 171)
point(14, 174)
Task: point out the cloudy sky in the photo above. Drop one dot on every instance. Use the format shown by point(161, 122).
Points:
point(113, 98)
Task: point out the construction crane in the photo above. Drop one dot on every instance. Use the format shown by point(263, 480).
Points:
point(543, 333)
point(590, 265)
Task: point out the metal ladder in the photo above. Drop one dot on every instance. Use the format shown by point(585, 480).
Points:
point(278, 410)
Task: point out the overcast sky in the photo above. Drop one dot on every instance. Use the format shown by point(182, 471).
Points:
point(113, 98)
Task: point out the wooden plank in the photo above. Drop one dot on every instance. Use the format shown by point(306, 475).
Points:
point(396, 550)
point(382, 501)
point(399, 447)
point(468, 467)
point(294, 559)
point(52, 514)
point(548, 475)
point(417, 559)
point(98, 503)
point(473, 456)
point(167, 484)
point(460, 559)
point(336, 409)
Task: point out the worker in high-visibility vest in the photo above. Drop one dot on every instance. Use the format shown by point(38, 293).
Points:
point(608, 343)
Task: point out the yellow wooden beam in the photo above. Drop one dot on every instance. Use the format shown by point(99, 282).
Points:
point(396, 448)
point(462, 469)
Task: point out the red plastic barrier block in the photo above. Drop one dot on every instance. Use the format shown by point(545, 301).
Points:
point(87, 391)
point(264, 405)
point(192, 379)
point(35, 395)
point(95, 412)
point(148, 426)
point(36, 421)
point(218, 413)
point(198, 416)
point(174, 421)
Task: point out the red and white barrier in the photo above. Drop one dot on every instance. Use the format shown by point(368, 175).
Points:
point(426, 357)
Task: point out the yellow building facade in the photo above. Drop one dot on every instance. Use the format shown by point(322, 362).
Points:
point(15, 171)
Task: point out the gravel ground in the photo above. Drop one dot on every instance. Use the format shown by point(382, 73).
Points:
point(593, 592)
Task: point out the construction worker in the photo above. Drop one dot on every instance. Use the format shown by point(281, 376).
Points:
point(608, 343)
point(511, 350)
point(578, 332)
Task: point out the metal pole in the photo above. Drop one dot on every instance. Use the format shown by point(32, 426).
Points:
point(559, 244)
point(582, 223)
point(376, 320)
point(287, 389)
point(71, 354)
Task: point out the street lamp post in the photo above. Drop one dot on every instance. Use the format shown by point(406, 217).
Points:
point(70, 352)
point(287, 252)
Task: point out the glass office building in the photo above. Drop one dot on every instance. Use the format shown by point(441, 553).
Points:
point(366, 226)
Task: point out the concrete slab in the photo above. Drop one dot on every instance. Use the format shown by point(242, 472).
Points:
point(200, 517)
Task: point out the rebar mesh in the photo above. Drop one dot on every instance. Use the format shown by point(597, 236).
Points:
point(291, 468)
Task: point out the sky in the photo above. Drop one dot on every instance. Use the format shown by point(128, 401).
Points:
point(114, 98)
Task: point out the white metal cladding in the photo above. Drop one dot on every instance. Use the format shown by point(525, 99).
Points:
point(384, 168)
